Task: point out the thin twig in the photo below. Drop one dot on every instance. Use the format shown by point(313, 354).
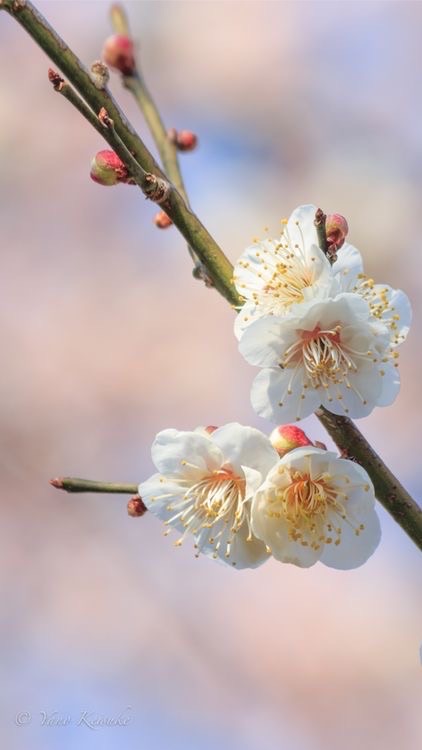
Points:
point(135, 83)
point(73, 484)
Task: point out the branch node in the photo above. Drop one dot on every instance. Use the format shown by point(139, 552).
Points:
point(100, 75)
point(156, 189)
point(104, 118)
point(200, 272)
point(55, 79)
point(18, 5)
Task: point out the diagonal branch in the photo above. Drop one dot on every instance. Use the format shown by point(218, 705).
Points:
point(205, 247)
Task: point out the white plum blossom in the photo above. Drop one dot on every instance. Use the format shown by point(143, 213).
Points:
point(274, 275)
point(315, 506)
point(331, 352)
point(205, 485)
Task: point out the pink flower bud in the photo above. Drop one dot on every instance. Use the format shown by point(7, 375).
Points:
point(210, 429)
point(162, 221)
point(287, 437)
point(184, 140)
point(118, 53)
point(108, 169)
point(136, 507)
point(336, 228)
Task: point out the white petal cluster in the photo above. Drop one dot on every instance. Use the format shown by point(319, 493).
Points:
point(205, 486)
point(315, 506)
point(229, 491)
point(323, 334)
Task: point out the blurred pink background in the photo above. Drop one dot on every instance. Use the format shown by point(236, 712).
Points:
point(107, 339)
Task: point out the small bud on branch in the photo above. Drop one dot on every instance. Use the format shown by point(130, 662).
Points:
point(55, 79)
point(99, 74)
point(107, 169)
point(162, 221)
point(336, 228)
point(286, 437)
point(184, 140)
point(118, 53)
point(136, 507)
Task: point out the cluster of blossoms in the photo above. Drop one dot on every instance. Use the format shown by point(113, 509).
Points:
point(244, 497)
point(323, 334)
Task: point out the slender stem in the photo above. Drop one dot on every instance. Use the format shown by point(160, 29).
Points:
point(320, 220)
point(119, 19)
point(69, 93)
point(73, 484)
point(207, 250)
point(136, 84)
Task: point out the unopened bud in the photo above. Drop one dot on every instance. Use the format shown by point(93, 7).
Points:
point(99, 74)
point(287, 437)
point(210, 429)
point(136, 507)
point(162, 221)
point(336, 228)
point(108, 169)
point(184, 140)
point(118, 53)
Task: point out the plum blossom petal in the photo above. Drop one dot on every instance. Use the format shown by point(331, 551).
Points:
point(245, 446)
point(205, 486)
point(315, 506)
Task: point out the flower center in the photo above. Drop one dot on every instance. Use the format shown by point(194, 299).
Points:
point(324, 356)
point(288, 281)
point(282, 272)
point(309, 505)
point(217, 502)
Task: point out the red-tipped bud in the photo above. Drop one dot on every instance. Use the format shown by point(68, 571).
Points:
point(108, 169)
point(210, 429)
point(118, 53)
point(136, 507)
point(287, 437)
point(184, 140)
point(162, 221)
point(336, 228)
